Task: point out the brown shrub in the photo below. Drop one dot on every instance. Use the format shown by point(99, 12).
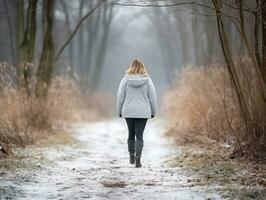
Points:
point(66, 102)
point(203, 105)
point(25, 118)
point(21, 117)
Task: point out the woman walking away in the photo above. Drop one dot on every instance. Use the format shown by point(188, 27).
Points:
point(136, 102)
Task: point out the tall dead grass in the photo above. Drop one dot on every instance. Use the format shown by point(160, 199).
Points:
point(203, 105)
point(25, 119)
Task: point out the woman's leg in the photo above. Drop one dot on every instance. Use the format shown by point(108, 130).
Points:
point(140, 124)
point(131, 128)
point(131, 138)
point(139, 129)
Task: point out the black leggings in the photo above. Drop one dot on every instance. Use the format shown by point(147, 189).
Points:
point(136, 127)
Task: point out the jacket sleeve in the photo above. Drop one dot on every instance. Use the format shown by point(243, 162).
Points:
point(152, 97)
point(121, 93)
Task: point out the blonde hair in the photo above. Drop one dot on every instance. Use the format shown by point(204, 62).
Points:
point(137, 67)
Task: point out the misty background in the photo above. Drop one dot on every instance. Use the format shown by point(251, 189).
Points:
point(165, 38)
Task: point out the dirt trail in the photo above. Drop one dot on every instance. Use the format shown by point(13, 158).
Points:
point(98, 168)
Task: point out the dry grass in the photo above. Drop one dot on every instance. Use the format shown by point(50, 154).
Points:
point(203, 106)
point(26, 119)
point(66, 102)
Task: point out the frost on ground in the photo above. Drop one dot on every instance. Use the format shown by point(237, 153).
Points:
point(96, 166)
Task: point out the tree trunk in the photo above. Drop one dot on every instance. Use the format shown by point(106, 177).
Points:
point(13, 54)
point(229, 61)
point(263, 23)
point(81, 38)
point(70, 47)
point(94, 29)
point(20, 29)
point(260, 72)
point(256, 35)
point(46, 62)
point(107, 19)
point(26, 41)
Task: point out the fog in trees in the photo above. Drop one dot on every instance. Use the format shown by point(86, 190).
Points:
point(165, 38)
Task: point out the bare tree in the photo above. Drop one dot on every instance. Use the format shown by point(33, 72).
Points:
point(46, 63)
point(263, 25)
point(106, 19)
point(26, 34)
point(10, 29)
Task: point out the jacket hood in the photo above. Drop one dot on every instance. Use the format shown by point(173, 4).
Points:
point(136, 80)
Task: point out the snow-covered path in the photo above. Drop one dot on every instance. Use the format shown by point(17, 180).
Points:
point(98, 168)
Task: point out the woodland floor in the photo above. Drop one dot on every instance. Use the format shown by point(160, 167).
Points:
point(92, 163)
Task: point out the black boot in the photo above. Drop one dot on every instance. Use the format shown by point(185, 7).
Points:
point(139, 147)
point(131, 150)
point(138, 161)
point(132, 158)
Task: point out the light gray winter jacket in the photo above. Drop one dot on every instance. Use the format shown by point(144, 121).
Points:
point(136, 97)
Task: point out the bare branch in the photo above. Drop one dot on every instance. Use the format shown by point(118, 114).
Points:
point(76, 29)
point(160, 5)
point(237, 8)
